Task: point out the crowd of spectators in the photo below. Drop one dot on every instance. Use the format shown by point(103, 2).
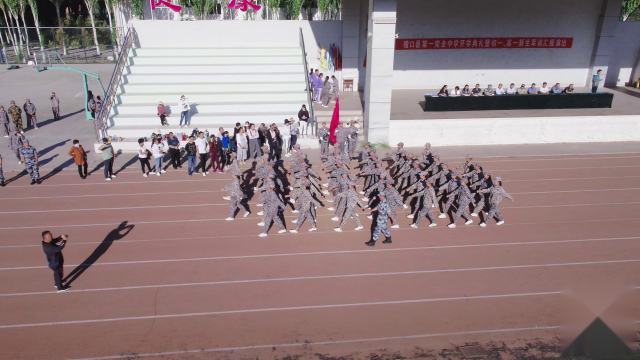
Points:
point(511, 90)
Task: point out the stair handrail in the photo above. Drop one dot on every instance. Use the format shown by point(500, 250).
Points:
point(100, 121)
point(309, 89)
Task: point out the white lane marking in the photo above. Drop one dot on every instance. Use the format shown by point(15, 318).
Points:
point(288, 308)
point(287, 216)
point(13, 212)
point(563, 168)
point(507, 180)
point(324, 277)
point(327, 342)
point(550, 157)
point(571, 191)
point(111, 195)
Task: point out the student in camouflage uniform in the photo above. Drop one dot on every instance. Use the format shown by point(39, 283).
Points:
point(381, 222)
point(307, 205)
point(15, 144)
point(29, 156)
point(323, 138)
point(463, 198)
point(16, 116)
point(496, 195)
point(30, 111)
point(1, 173)
point(4, 122)
point(351, 198)
point(449, 191)
point(427, 202)
point(236, 198)
point(271, 210)
point(353, 139)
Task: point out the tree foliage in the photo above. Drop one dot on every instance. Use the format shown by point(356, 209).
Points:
point(628, 7)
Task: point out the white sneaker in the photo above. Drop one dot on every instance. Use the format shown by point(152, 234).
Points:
point(361, 192)
point(290, 187)
point(204, 174)
point(262, 235)
point(369, 217)
point(312, 229)
point(337, 229)
point(442, 216)
point(359, 228)
point(261, 223)
point(246, 214)
point(335, 218)
point(433, 225)
point(410, 216)
point(468, 222)
point(331, 208)
point(325, 192)
point(451, 226)
point(405, 206)
point(325, 185)
point(229, 219)
point(260, 213)
point(292, 201)
point(500, 222)
point(113, 176)
point(365, 199)
point(158, 173)
point(259, 205)
point(226, 198)
point(474, 214)
point(295, 211)
point(163, 171)
point(145, 175)
point(294, 231)
point(330, 201)
point(152, 173)
point(282, 231)
point(295, 221)
point(396, 226)
point(107, 179)
point(482, 224)
point(414, 226)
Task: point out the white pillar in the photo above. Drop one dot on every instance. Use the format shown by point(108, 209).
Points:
point(350, 37)
point(605, 38)
point(380, 52)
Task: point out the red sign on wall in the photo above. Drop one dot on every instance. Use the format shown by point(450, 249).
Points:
point(485, 43)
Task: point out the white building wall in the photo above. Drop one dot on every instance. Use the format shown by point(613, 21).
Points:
point(625, 57)
point(495, 18)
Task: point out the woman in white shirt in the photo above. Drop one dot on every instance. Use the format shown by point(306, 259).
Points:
point(285, 134)
point(157, 150)
point(243, 145)
point(143, 153)
point(456, 91)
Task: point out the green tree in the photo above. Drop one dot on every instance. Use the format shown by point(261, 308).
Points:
point(33, 4)
point(91, 7)
point(628, 7)
point(57, 4)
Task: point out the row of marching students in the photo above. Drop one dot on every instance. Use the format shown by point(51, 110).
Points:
point(425, 184)
point(398, 180)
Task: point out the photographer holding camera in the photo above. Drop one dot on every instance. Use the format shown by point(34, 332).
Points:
point(52, 248)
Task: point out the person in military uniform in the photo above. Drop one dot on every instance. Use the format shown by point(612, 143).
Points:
point(463, 198)
point(496, 195)
point(29, 156)
point(30, 111)
point(353, 139)
point(16, 116)
point(307, 205)
point(1, 173)
point(15, 144)
point(271, 212)
point(323, 138)
point(381, 222)
point(427, 202)
point(236, 198)
point(351, 199)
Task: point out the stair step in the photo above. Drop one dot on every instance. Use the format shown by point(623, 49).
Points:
point(219, 108)
point(241, 78)
point(214, 98)
point(233, 51)
point(208, 60)
point(256, 68)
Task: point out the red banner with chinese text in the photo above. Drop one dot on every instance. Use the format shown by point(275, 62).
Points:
point(485, 43)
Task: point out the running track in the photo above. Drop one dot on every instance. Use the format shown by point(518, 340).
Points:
point(184, 282)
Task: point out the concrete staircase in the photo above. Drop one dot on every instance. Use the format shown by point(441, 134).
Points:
point(225, 84)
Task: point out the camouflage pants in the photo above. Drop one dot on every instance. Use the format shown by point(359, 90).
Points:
point(272, 217)
point(350, 213)
point(17, 124)
point(494, 212)
point(1, 176)
point(426, 211)
point(306, 213)
point(381, 227)
point(235, 203)
point(463, 210)
point(32, 169)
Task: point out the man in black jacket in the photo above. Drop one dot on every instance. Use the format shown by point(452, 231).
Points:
point(53, 250)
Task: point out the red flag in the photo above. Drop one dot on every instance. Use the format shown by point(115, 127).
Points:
point(335, 121)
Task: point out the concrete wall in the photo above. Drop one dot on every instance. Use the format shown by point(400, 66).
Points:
point(495, 18)
point(623, 62)
point(498, 131)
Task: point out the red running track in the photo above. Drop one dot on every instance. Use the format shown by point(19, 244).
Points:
point(186, 283)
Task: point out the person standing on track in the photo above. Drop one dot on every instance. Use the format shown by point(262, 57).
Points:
point(55, 106)
point(192, 151)
point(30, 111)
point(174, 150)
point(107, 159)
point(52, 248)
point(29, 156)
point(381, 222)
point(323, 138)
point(4, 122)
point(16, 116)
point(203, 150)
point(79, 158)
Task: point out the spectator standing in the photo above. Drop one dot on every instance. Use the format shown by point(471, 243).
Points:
point(263, 130)
point(16, 116)
point(79, 158)
point(254, 142)
point(52, 248)
point(158, 151)
point(234, 141)
point(91, 104)
point(285, 134)
point(162, 114)
point(595, 81)
point(303, 117)
point(30, 111)
point(335, 89)
point(174, 150)
point(319, 84)
point(98, 104)
point(325, 97)
point(242, 145)
point(275, 143)
point(192, 151)
point(226, 148)
point(215, 150)
point(107, 159)
point(203, 150)
point(184, 107)
point(55, 106)
point(144, 154)
point(294, 130)
point(4, 122)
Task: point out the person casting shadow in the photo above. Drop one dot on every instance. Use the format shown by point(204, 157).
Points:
point(116, 234)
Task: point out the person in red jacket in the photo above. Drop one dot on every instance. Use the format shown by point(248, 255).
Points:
point(214, 153)
point(79, 158)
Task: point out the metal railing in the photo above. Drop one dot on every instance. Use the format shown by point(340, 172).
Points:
point(309, 89)
point(100, 121)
